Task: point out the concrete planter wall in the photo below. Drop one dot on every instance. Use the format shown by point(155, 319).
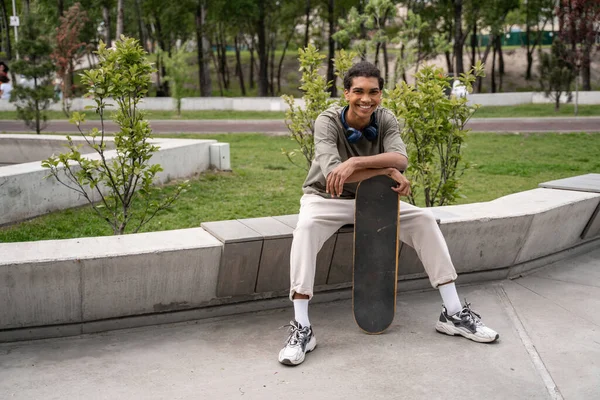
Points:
point(67, 287)
point(26, 193)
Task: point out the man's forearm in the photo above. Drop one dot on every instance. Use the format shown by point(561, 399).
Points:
point(383, 160)
point(366, 173)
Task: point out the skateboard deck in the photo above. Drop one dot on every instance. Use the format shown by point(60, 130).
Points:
point(375, 274)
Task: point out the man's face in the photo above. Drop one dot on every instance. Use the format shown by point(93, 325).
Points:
point(363, 97)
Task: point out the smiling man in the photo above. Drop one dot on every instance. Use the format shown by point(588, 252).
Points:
point(354, 143)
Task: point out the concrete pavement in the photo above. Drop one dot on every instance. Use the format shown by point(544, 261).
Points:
point(278, 127)
point(549, 348)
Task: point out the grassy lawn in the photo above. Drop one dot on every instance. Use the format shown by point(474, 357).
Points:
point(264, 183)
point(523, 110)
point(537, 110)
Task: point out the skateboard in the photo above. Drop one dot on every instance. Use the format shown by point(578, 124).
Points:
point(375, 270)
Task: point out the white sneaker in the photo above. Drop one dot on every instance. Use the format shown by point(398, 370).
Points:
point(466, 323)
point(300, 341)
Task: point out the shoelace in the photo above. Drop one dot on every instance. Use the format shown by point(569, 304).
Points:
point(296, 335)
point(471, 315)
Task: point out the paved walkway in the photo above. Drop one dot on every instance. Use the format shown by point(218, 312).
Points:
point(508, 125)
point(549, 349)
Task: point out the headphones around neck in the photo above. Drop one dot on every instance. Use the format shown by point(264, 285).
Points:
point(353, 135)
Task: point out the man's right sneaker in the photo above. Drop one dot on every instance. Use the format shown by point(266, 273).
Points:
point(300, 341)
point(466, 323)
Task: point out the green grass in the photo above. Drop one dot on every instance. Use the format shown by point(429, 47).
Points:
point(264, 183)
point(537, 110)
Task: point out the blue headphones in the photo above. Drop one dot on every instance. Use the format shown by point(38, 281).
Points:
point(353, 135)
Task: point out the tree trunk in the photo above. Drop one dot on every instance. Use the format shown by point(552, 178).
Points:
point(120, 17)
point(386, 65)
point(252, 62)
point(479, 80)
point(61, 8)
point(6, 29)
point(238, 64)
point(529, 65)
point(586, 84)
point(449, 63)
point(162, 85)
point(216, 64)
point(263, 61)
point(494, 68)
point(223, 67)
point(281, 59)
point(203, 51)
point(500, 63)
point(141, 26)
point(474, 43)
point(106, 17)
point(458, 38)
point(330, 67)
point(307, 30)
point(271, 57)
point(377, 47)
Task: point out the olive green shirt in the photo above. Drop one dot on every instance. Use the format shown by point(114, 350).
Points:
point(332, 148)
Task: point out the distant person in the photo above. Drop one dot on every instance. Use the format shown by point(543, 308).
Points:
point(353, 143)
point(458, 89)
point(3, 68)
point(5, 87)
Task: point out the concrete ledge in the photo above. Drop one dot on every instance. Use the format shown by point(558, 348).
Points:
point(77, 280)
point(226, 266)
point(26, 193)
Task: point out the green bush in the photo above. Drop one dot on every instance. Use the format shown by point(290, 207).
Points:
point(123, 75)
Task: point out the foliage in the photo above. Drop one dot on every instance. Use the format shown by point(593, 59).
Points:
point(177, 73)
point(434, 132)
point(69, 48)
point(125, 178)
point(301, 121)
point(556, 72)
point(33, 95)
point(418, 43)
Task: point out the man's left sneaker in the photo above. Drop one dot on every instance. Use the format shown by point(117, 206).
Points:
point(466, 323)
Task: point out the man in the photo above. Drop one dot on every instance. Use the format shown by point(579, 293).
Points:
point(355, 143)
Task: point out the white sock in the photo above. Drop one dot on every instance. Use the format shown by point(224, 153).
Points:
point(450, 298)
point(301, 311)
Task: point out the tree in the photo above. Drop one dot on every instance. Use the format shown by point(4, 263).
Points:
point(203, 49)
point(300, 121)
point(556, 72)
point(123, 75)
point(535, 12)
point(33, 97)
point(579, 22)
point(68, 49)
point(434, 132)
point(177, 73)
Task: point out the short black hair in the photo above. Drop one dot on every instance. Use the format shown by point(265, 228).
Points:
point(365, 69)
point(5, 66)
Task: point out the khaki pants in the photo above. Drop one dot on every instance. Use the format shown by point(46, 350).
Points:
point(320, 218)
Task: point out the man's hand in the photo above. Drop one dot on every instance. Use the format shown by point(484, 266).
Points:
point(339, 175)
point(403, 187)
